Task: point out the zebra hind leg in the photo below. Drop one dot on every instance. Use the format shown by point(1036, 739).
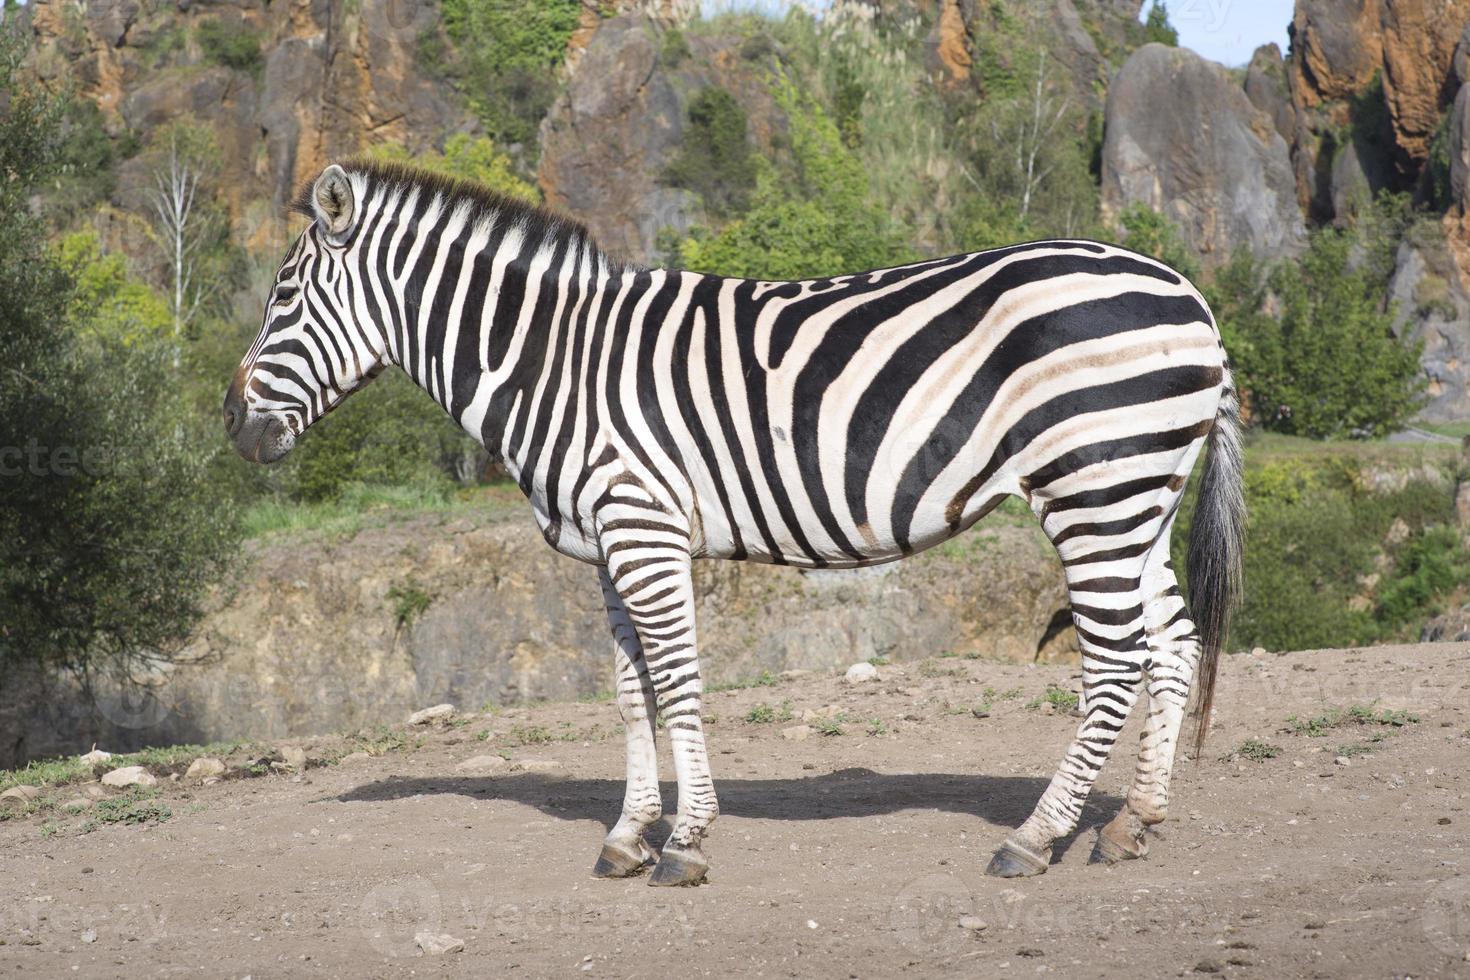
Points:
point(1173, 644)
point(1105, 593)
point(625, 852)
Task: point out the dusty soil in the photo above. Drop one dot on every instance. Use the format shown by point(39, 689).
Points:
point(851, 855)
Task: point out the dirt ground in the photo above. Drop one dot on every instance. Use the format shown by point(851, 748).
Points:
point(836, 855)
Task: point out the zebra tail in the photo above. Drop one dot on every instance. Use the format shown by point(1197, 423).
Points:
point(1216, 540)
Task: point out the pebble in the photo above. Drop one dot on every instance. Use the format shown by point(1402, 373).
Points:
point(437, 944)
point(973, 923)
point(89, 936)
point(797, 733)
point(860, 673)
point(1444, 821)
point(79, 803)
point(129, 776)
point(427, 716)
point(1343, 760)
point(484, 764)
point(204, 767)
point(24, 794)
point(94, 757)
point(1207, 966)
point(352, 757)
point(538, 765)
point(295, 757)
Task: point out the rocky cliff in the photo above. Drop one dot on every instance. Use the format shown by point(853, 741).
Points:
point(475, 609)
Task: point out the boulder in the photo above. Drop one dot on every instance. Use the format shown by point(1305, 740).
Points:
point(1419, 39)
point(1458, 148)
point(1183, 138)
point(203, 768)
point(860, 673)
point(1336, 47)
point(1267, 88)
point(439, 713)
point(1430, 294)
point(129, 776)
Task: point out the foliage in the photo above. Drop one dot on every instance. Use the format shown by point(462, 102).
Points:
point(1326, 362)
point(389, 434)
point(233, 45)
point(410, 601)
point(505, 58)
point(815, 219)
point(107, 298)
point(1157, 28)
point(85, 173)
point(1322, 568)
point(109, 535)
point(715, 159)
point(1146, 230)
point(473, 158)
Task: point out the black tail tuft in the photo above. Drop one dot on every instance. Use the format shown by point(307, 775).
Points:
point(1216, 541)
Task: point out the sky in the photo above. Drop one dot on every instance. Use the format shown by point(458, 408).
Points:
point(1227, 31)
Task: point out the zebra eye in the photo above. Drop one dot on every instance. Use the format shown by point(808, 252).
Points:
point(286, 293)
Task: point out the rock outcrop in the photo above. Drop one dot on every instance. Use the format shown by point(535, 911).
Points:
point(1183, 138)
point(311, 640)
point(1430, 293)
point(330, 79)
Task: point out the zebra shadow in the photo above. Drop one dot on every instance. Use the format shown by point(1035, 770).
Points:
point(1002, 801)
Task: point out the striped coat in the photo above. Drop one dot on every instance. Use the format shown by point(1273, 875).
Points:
point(653, 417)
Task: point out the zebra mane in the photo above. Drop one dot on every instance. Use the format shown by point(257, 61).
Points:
point(484, 203)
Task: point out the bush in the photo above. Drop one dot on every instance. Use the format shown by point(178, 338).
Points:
point(232, 45)
point(1327, 363)
point(815, 219)
point(1322, 568)
point(391, 433)
point(505, 57)
point(464, 157)
point(715, 159)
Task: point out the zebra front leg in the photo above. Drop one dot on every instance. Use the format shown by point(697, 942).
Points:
point(625, 852)
point(1173, 644)
point(1109, 620)
point(649, 567)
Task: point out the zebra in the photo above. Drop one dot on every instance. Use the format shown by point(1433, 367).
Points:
point(656, 416)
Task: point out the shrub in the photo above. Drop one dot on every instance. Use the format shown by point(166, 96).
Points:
point(1157, 27)
point(109, 533)
point(232, 45)
point(815, 219)
point(465, 157)
point(505, 57)
point(715, 159)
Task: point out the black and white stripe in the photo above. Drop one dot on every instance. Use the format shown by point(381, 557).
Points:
point(653, 417)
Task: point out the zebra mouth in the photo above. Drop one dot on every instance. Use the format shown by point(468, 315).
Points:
point(262, 438)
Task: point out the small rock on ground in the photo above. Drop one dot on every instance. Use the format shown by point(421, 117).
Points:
point(204, 767)
point(22, 794)
point(860, 673)
point(973, 923)
point(484, 764)
point(294, 757)
point(94, 757)
point(427, 716)
point(538, 765)
point(78, 804)
point(797, 733)
point(354, 757)
point(129, 776)
point(437, 944)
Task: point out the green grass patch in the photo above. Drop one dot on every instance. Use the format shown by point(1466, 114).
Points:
point(160, 761)
point(1256, 750)
point(1359, 714)
point(830, 726)
point(368, 505)
point(1058, 697)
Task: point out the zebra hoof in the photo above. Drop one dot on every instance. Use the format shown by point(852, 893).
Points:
point(616, 861)
point(679, 866)
point(1109, 851)
point(1015, 861)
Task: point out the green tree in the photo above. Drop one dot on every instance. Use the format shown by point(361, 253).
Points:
point(109, 534)
point(715, 159)
point(1156, 28)
point(814, 219)
point(474, 158)
point(505, 57)
point(1325, 362)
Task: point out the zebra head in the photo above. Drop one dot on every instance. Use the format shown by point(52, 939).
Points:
point(312, 350)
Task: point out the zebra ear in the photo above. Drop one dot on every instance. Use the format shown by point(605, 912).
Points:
point(331, 199)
